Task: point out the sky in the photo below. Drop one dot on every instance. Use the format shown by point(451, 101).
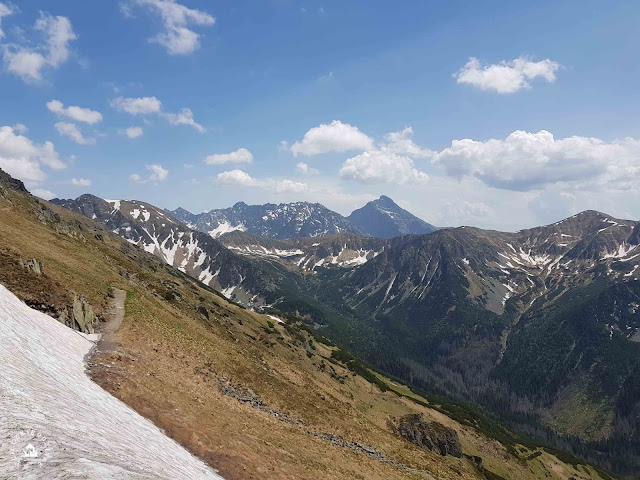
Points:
point(500, 114)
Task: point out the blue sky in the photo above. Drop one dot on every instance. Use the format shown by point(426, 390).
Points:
point(255, 77)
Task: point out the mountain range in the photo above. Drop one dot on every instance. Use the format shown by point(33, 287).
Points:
point(251, 395)
point(381, 218)
point(532, 326)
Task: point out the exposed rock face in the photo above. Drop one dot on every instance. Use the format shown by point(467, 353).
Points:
point(432, 435)
point(80, 317)
point(8, 182)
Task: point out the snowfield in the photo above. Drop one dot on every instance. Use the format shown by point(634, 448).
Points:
point(55, 423)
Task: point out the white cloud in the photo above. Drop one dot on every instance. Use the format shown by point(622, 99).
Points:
point(526, 161)
point(134, 132)
point(283, 146)
point(335, 137)
point(236, 177)
point(242, 155)
point(151, 105)
point(382, 167)
point(289, 186)
point(137, 106)
point(42, 193)
point(78, 114)
point(157, 173)
point(304, 169)
point(20, 128)
point(184, 117)
point(81, 182)
point(177, 38)
point(5, 10)
point(22, 159)
point(28, 62)
point(506, 76)
point(72, 131)
point(402, 144)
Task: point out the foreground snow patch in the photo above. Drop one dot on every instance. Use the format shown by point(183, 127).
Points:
point(56, 423)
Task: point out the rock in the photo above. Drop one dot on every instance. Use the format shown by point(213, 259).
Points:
point(432, 435)
point(33, 265)
point(82, 315)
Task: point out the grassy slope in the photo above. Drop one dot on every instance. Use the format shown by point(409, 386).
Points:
point(171, 358)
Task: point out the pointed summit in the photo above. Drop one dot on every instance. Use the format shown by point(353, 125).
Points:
point(383, 218)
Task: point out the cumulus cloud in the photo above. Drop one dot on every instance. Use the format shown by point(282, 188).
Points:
point(22, 159)
point(177, 37)
point(153, 106)
point(402, 144)
point(334, 137)
point(157, 173)
point(78, 114)
point(42, 193)
point(506, 76)
point(241, 178)
point(526, 161)
point(27, 62)
point(306, 170)
point(184, 117)
point(382, 167)
point(20, 128)
point(81, 182)
point(242, 155)
point(137, 106)
point(72, 131)
point(289, 186)
point(134, 132)
point(236, 177)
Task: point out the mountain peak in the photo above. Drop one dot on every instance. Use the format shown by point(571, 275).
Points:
point(383, 218)
point(385, 201)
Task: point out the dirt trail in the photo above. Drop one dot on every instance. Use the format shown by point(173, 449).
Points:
point(114, 316)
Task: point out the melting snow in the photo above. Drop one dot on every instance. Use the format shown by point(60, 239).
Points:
point(57, 423)
point(623, 251)
point(226, 227)
point(116, 205)
point(273, 317)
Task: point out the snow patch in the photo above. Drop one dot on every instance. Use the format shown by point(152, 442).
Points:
point(56, 421)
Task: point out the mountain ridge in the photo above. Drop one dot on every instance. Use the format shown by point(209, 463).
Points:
point(305, 219)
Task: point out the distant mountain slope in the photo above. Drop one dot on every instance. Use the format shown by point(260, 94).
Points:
point(291, 220)
point(192, 252)
point(383, 218)
point(344, 250)
point(534, 324)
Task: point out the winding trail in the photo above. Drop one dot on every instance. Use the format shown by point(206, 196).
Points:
point(115, 316)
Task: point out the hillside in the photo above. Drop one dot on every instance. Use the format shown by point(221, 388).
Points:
point(535, 325)
point(253, 397)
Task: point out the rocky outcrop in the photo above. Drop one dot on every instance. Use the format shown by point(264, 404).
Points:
point(432, 435)
point(80, 316)
point(7, 182)
point(34, 265)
